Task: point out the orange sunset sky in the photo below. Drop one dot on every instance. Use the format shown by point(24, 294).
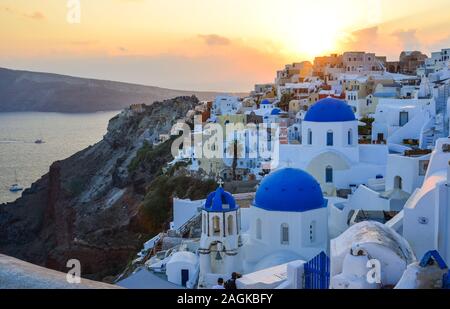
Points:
point(224, 45)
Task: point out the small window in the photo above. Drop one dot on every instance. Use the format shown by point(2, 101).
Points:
point(330, 138)
point(258, 229)
point(403, 118)
point(216, 225)
point(310, 137)
point(205, 224)
point(329, 174)
point(284, 234)
point(230, 224)
point(312, 232)
point(350, 137)
point(398, 182)
point(423, 166)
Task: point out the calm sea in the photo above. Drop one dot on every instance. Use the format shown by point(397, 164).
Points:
point(63, 134)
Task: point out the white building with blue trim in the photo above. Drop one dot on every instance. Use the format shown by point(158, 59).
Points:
point(330, 150)
point(288, 221)
point(220, 240)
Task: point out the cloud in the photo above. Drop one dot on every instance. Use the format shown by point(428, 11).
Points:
point(383, 43)
point(438, 44)
point(214, 39)
point(84, 42)
point(408, 39)
point(7, 9)
point(361, 39)
point(36, 15)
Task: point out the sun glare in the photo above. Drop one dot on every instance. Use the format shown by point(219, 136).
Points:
point(312, 41)
point(309, 35)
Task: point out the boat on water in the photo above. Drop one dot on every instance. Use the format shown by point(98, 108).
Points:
point(39, 139)
point(15, 188)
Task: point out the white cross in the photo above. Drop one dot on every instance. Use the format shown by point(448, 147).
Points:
point(220, 182)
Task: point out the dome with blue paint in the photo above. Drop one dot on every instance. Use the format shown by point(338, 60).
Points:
point(290, 190)
point(220, 201)
point(266, 101)
point(275, 112)
point(330, 110)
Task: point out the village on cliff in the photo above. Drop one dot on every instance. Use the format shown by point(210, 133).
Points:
point(358, 195)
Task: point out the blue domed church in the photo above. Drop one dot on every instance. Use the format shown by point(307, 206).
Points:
point(288, 221)
point(330, 149)
point(220, 240)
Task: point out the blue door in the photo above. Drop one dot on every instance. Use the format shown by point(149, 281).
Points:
point(317, 273)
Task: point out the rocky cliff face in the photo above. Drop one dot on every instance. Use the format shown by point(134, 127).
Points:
point(90, 206)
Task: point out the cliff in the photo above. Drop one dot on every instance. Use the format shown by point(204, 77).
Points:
point(95, 208)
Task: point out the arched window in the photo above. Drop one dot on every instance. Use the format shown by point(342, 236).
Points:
point(216, 225)
point(398, 183)
point(312, 232)
point(350, 137)
point(329, 174)
point(258, 229)
point(310, 137)
point(284, 234)
point(205, 224)
point(238, 221)
point(330, 138)
point(230, 224)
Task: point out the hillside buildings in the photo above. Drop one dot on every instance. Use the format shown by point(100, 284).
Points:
point(362, 171)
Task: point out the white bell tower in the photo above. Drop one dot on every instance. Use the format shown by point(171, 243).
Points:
point(220, 241)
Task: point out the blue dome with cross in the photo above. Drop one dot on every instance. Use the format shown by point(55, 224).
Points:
point(330, 110)
point(290, 190)
point(265, 101)
point(220, 201)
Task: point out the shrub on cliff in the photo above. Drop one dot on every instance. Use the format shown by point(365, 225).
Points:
point(152, 157)
point(157, 203)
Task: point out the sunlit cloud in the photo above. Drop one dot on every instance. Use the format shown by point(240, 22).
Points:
point(35, 15)
point(214, 39)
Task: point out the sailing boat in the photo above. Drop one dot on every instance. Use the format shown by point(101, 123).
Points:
point(15, 187)
point(39, 140)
